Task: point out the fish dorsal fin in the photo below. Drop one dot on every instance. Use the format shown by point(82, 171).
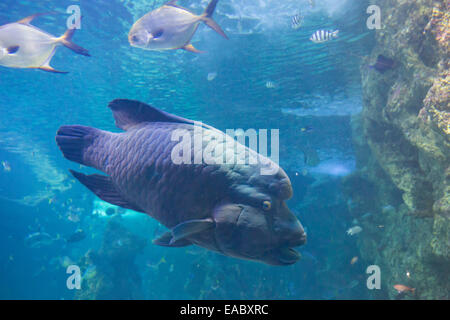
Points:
point(129, 113)
point(175, 5)
point(28, 20)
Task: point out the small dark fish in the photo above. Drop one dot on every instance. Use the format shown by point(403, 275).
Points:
point(77, 236)
point(383, 64)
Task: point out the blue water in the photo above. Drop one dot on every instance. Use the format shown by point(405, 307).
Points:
point(314, 86)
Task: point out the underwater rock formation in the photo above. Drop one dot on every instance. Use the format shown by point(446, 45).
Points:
point(406, 156)
point(111, 272)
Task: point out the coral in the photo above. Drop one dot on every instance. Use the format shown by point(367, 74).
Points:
point(406, 125)
point(103, 271)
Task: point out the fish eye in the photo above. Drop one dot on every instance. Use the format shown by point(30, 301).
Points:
point(158, 33)
point(267, 205)
point(135, 39)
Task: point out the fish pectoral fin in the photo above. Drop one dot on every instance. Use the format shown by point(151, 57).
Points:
point(105, 189)
point(27, 20)
point(166, 240)
point(191, 48)
point(12, 49)
point(191, 227)
point(50, 69)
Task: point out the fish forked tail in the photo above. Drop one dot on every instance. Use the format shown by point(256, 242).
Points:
point(73, 141)
point(335, 34)
point(66, 40)
point(206, 17)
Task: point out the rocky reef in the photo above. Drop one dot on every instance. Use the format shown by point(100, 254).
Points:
point(402, 141)
point(111, 272)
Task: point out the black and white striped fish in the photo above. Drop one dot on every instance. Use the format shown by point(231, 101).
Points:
point(297, 21)
point(324, 36)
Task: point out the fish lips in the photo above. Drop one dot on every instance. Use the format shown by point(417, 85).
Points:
point(228, 218)
point(286, 255)
point(282, 255)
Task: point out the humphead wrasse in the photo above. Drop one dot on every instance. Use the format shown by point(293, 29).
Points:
point(25, 46)
point(231, 208)
point(171, 27)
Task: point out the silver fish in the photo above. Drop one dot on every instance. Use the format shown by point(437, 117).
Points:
point(324, 35)
point(171, 27)
point(25, 46)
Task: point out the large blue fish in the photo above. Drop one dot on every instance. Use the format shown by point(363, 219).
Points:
point(232, 209)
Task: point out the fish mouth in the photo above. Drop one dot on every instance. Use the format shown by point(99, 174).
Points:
point(287, 256)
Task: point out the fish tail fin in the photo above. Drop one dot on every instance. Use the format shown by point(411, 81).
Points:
point(73, 141)
point(66, 40)
point(206, 17)
point(336, 34)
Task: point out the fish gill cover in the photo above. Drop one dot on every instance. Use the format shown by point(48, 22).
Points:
point(362, 181)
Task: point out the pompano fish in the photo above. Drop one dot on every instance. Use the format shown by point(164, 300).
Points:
point(171, 27)
point(229, 208)
point(25, 46)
